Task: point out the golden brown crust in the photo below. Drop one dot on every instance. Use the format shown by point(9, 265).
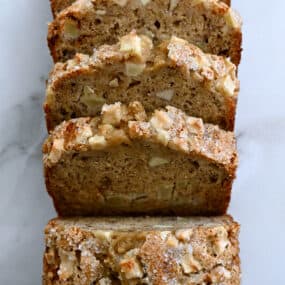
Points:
point(158, 251)
point(63, 44)
point(214, 77)
point(176, 134)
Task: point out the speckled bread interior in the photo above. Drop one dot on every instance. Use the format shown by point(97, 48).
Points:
point(59, 5)
point(127, 162)
point(158, 251)
point(173, 72)
point(85, 25)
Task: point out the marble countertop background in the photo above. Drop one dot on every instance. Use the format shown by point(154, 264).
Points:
point(259, 192)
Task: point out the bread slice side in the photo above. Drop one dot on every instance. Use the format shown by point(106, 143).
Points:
point(85, 25)
point(162, 250)
point(126, 162)
point(59, 5)
point(172, 72)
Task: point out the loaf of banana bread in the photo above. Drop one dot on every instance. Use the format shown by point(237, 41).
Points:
point(128, 162)
point(59, 5)
point(172, 73)
point(86, 24)
point(158, 251)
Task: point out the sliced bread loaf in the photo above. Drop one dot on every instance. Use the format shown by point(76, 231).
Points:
point(209, 24)
point(59, 5)
point(127, 162)
point(173, 72)
point(158, 251)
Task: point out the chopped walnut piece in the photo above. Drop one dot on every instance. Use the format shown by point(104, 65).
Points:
point(190, 264)
point(56, 150)
point(113, 114)
point(97, 142)
point(137, 111)
point(184, 234)
point(226, 85)
point(220, 274)
point(194, 125)
point(172, 241)
point(183, 54)
point(67, 265)
point(220, 240)
point(131, 268)
point(131, 44)
point(160, 120)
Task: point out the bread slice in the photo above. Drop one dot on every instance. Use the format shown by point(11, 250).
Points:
point(125, 162)
point(59, 5)
point(173, 72)
point(209, 24)
point(158, 251)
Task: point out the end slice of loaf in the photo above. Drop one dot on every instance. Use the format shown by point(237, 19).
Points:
point(158, 251)
point(172, 73)
point(127, 162)
point(58, 5)
point(209, 24)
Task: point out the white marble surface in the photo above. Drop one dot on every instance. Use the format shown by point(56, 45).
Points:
point(259, 191)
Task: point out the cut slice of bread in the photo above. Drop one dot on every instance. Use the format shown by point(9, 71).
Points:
point(172, 73)
point(158, 251)
point(127, 162)
point(86, 24)
point(59, 5)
